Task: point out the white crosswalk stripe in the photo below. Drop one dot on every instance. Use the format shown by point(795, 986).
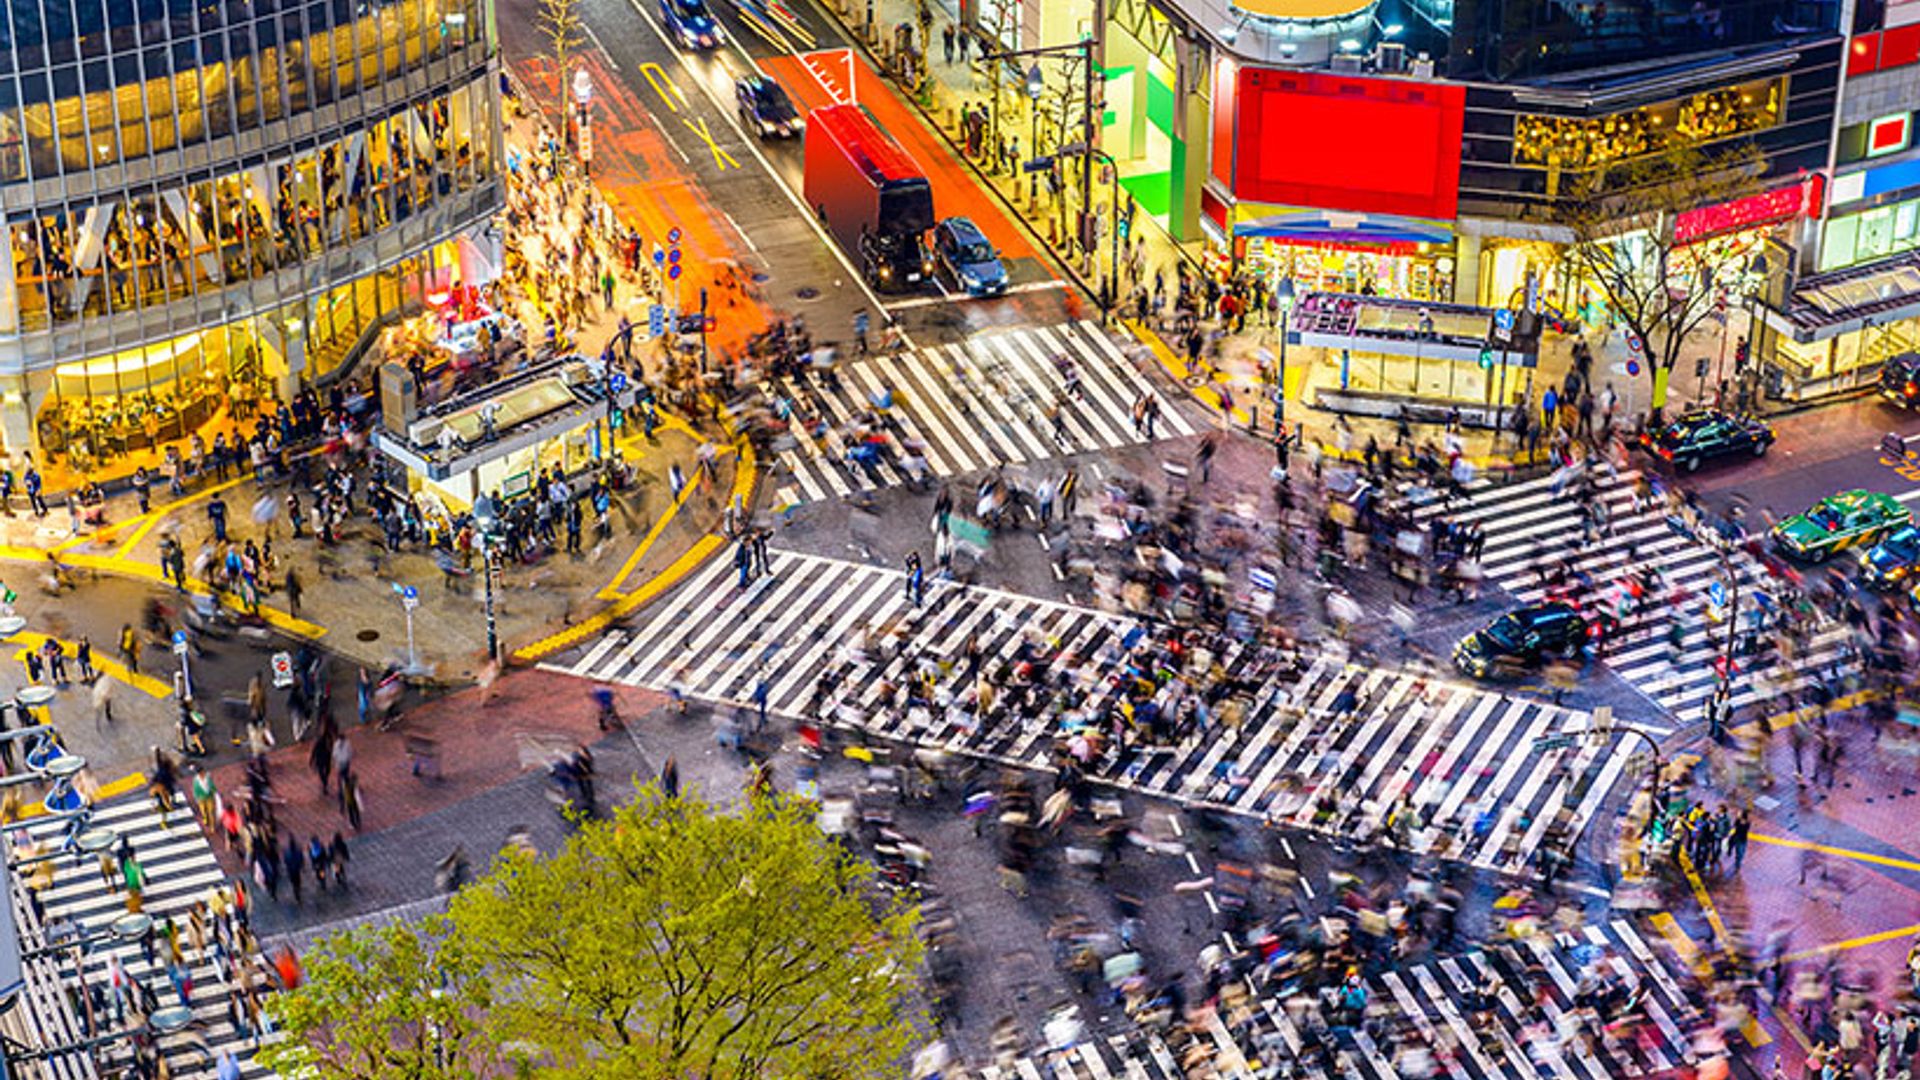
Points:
point(181, 869)
point(973, 405)
point(1530, 526)
point(1479, 1003)
point(1339, 749)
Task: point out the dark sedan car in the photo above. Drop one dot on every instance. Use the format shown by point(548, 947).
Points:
point(1522, 638)
point(1696, 436)
point(765, 108)
point(691, 23)
point(1900, 380)
point(1892, 561)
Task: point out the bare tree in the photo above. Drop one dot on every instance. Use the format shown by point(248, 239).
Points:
point(559, 23)
point(1658, 285)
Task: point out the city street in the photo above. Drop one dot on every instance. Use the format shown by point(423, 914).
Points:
point(1217, 718)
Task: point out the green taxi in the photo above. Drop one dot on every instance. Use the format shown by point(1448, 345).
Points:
point(1838, 522)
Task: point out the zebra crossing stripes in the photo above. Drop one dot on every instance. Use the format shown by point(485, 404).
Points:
point(974, 405)
point(1532, 991)
point(1464, 759)
point(180, 869)
point(1530, 527)
point(815, 616)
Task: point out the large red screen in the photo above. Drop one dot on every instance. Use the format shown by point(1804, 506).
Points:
point(1389, 146)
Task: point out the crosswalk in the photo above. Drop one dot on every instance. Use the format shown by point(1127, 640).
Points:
point(1448, 768)
point(1497, 1014)
point(181, 869)
point(1530, 524)
point(973, 405)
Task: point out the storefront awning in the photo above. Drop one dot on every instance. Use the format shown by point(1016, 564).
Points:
point(1828, 305)
point(1319, 227)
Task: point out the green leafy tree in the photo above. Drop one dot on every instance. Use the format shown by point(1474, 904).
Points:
point(395, 1002)
point(668, 941)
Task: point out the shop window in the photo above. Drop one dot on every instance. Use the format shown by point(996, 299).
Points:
point(1586, 142)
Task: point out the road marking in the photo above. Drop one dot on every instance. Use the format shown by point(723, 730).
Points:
point(744, 238)
point(721, 158)
point(1851, 943)
point(146, 684)
point(1690, 954)
point(663, 83)
point(780, 181)
point(1843, 853)
point(606, 55)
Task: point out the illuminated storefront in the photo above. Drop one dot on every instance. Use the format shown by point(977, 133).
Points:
point(1584, 142)
point(197, 227)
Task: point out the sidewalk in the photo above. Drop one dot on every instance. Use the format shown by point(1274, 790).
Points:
point(347, 597)
point(1230, 378)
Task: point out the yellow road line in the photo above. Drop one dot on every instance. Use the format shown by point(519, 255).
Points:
point(1755, 1035)
point(659, 583)
point(292, 624)
point(33, 640)
point(612, 591)
point(1843, 853)
point(1852, 943)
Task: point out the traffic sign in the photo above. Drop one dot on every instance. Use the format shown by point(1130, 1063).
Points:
point(657, 317)
point(1718, 591)
point(409, 595)
point(673, 272)
point(617, 381)
point(659, 255)
point(673, 235)
point(1633, 367)
point(1552, 742)
point(282, 664)
point(179, 643)
point(1635, 345)
point(673, 256)
point(1503, 318)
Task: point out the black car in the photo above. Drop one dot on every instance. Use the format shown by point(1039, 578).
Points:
point(1894, 560)
point(1900, 380)
point(765, 108)
point(1693, 437)
point(1522, 638)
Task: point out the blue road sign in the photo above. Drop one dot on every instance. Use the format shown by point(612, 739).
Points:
point(673, 272)
point(1718, 590)
point(179, 637)
point(673, 235)
point(674, 256)
point(1503, 318)
point(617, 382)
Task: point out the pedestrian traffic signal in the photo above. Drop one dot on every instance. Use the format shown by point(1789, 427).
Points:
point(1486, 358)
point(657, 319)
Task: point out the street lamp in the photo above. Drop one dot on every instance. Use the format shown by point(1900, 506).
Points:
point(1036, 84)
point(1284, 293)
point(486, 519)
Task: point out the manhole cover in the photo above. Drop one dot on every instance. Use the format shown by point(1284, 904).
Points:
point(807, 292)
point(368, 635)
point(1195, 381)
point(761, 277)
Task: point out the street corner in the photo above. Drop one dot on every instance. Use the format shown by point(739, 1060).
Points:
point(440, 751)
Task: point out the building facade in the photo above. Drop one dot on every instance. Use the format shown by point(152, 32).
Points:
point(208, 205)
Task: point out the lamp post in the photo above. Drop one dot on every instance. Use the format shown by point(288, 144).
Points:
point(1036, 84)
point(1284, 293)
point(1086, 47)
point(486, 519)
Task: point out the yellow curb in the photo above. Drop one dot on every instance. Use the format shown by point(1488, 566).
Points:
point(612, 590)
point(1178, 368)
point(599, 621)
point(107, 564)
point(745, 474)
point(135, 782)
point(1751, 1029)
point(32, 641)
point(1691, 956)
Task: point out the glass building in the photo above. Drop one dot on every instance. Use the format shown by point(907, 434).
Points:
point(210, 203)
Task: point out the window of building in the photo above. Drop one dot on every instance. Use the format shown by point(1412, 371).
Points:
point(1571, 142)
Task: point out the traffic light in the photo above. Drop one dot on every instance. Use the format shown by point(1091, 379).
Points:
point(1741, 352)
point(657, 319)
point(1486, 358)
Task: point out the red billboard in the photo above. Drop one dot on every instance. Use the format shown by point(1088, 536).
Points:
point(1385, 146)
